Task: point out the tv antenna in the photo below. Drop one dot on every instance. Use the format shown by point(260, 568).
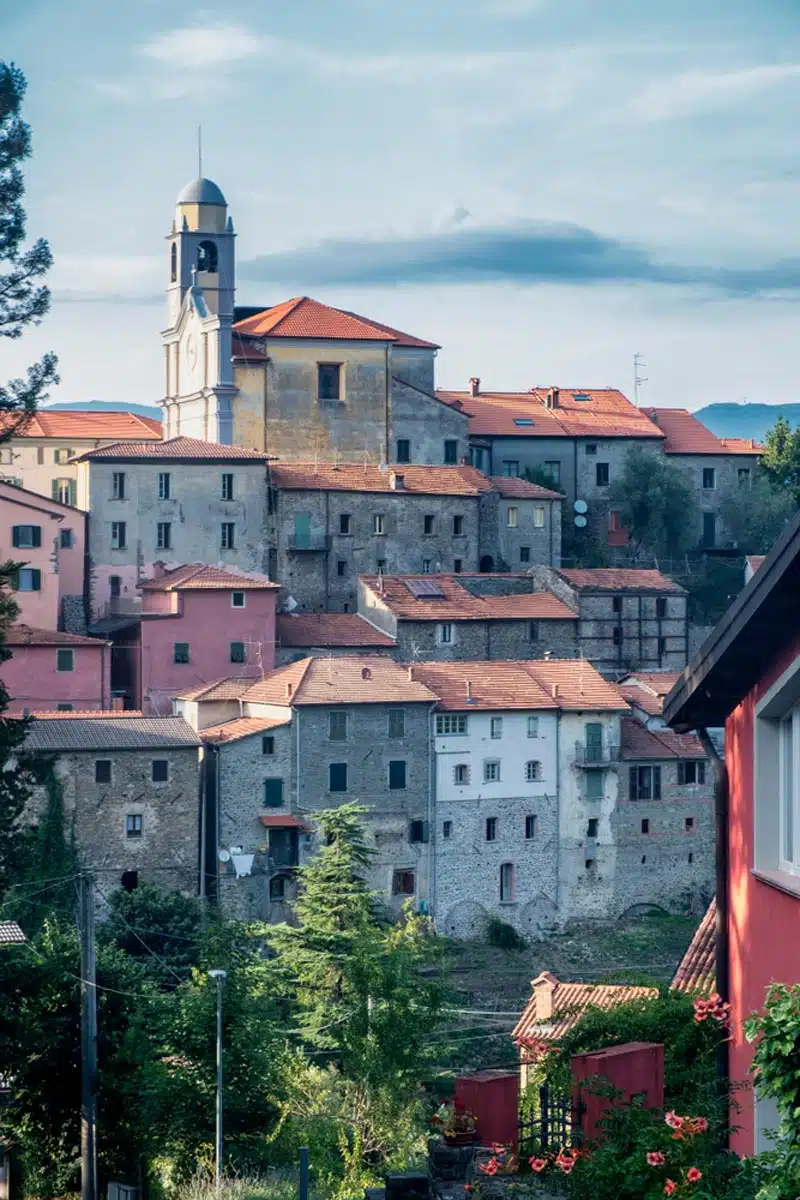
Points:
point(638, 378)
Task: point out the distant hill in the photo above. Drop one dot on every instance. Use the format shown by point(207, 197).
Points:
point(746, 420)
point(141, 410)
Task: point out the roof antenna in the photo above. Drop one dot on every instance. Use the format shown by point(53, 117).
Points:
point(199, 151)
point(638, 380)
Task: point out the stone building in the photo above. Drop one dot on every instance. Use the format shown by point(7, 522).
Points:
point(645, 692)
point(173, 502)
point(448, 617)
point(628, 619)
point(520, 525)
point(300, 635)
point(130, 794)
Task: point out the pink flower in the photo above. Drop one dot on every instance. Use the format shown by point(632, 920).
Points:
point(489, 1168)
point(669, 1187)
point(656, 1159)
point(565, 1164)
point(693, 1175)
point(673, 1120)
point(701, 1124)
point(537, 1164)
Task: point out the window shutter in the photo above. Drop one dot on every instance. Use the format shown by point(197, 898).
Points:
point(15, 535)
point(54, 490)
point(633, 793)
point(73, 492)
point(36, 580)
point(36, 538)
point(656, 783)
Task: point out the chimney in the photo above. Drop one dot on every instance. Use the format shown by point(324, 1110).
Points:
point(548, 654)
point(380, 585)
point(544, 987)
point(117, 703)
point(159, 570)
point(554, 690)
point(469, 690)
point(410, 672)
point(289, 690)
point(551, 400)
point(397, 482)
point(475, 386)
point(366, 673)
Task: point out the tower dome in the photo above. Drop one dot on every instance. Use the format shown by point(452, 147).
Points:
point(202, 191)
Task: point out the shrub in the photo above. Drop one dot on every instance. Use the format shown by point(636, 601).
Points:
point(504, 936)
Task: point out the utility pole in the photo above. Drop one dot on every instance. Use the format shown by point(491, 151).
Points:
point(638, 380)
point(88, 1040)
point(219, 978)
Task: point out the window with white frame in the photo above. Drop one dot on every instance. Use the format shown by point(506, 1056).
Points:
point(506, 883)
point(511, 516)
point(789, 790)
point(461, 774)
point(451, 723)
point(496, 727)
point(533, 770)
point(538, 516)
point(533, 726)
point(776, 808)
point(491, 770)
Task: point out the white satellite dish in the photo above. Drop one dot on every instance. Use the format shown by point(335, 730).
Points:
point(581, 522)
point(581, 506)
point(236, 849)
point(224, 856)
point(291, 604)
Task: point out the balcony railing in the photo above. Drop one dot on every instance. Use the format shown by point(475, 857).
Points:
point(309, 543)
point(122, 606)
point(595, 756)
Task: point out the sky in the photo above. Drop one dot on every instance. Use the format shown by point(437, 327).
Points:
point(544, 187)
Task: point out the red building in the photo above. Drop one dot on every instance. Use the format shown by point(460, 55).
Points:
point(747, 678)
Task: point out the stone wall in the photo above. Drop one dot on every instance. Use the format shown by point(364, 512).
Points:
point(422, 420)
point(515, 547)
point(726, 480)
point(420, 640)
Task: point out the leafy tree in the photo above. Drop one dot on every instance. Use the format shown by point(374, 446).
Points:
point(23, 299)
point(656, 504)
point(756, 515)
point(15, 778)
point(780, 461)
point(159, 927)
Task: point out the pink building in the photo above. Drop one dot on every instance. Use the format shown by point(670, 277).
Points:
point(56, 671)
point(48, 539)
point(197, 623)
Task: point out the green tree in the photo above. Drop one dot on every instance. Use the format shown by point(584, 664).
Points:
point(15, 777)
point(780, 461)
point(160, 927)
point(656, 504)
point(756, 515)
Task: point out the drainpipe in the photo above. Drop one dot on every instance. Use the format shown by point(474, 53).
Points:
point(431, 815)
point(296, 718)
point(387, 452)
point(558, 812)
point(201, 799)
point(722, 967)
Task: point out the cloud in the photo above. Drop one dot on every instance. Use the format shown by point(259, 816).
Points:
point(528, 252)
point(198, 47)
point(514, 8)
point(699, 91)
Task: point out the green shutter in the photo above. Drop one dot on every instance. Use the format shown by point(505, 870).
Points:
point(73, 492)
point(15, 535)
point(36, 580)
point(54, 490)
point(37, 535)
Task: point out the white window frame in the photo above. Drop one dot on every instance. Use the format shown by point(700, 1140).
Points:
point(489, 765)
point(788, 791)
point(512, 513)
point(378, 525)
point(533, 727)
point(538, 516)
point(451, 724)
point(507, 893)
point(495, 728)
point(242, 599)
point(771, 863)
point(533, 770)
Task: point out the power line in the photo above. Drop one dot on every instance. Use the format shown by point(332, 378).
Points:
point(26, 897)
point(140, 939)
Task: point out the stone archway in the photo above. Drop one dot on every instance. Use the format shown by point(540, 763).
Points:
point(538, 916)
point(487, 564)
point(465, 920)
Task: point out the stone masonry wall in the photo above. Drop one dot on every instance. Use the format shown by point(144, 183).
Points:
point(420, 640)
point(504, 543)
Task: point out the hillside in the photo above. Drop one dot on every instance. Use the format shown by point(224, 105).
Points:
point(141, 410)
point(746, 420)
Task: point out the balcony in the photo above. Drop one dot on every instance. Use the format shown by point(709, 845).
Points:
point(121, 606)
point(595, 756)
point(308, 543)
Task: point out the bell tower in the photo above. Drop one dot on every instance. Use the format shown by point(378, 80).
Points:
point(202, 239)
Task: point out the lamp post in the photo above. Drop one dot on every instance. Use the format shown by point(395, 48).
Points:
point(219, 978)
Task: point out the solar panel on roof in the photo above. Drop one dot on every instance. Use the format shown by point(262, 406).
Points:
point(523, 421)
point(425, 587)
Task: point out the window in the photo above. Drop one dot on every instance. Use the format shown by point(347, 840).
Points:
point(646, 825)
point(593, 741)
point(458, 526)
point(273, 793)
point(114, 586)
point(592, 827)
point(457, 565)
point(403, 883)
point(63, 454)
point(277, 887)
point(118, 485)
point(616, 635)
point(337, 777)
point(589, 864)
point(329, 377)
point(533, 770)
point(418, 831)
point(661, 608)
point(553, 469)
point(601, 473)
point(691, 771)
point(378, 526)
point(789, 752)
point(451, 451)
point(64, 491)
point(403, 454)
point(533, 726)
point(616, 604)
point(447, 829)
point(173, 263)
point(709, 529)
point(180, 652)
point(426, 566)
point(445, 632)
point(268, 744)
point(66, 539)
point(228, 536)
point(744, 476)
point(207, 257)
point(337, 726)
point(29, 579)
point(119, 538)
point(160, 770)
point(397, 722)
point(451, 723)
point(26, 537)
point(341, 568)
point(133, 825)
point(709, 478)
point(380, 566)
point(530, 827)
point(227, 486)
point(496, 727)
point(164, 535)
point(511, 468)
point(511, 517)
point(238, 652)
point(524, 554)
point(506, 883)
point(538, 516)
point(238, 599)
point(595, 785)
point(644, 783)
point(163, 485)
point(691, 858)
point(397, 774)
point(65, 660)
point(591, 448)
point(688, 824)
point(102, 770)
point(59, 708)
point(533, 631)
point(428, 524)
point(461, 774)
point(491, 770)
point(344, 523)
point(491, 829)
point(662, 647)
point(40, 455)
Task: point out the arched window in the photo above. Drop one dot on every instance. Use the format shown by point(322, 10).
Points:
point(207, 257)
point(173, 263)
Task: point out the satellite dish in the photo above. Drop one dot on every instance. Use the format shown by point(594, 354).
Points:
point(581, 506)
point(236, 849)
point(581, 522)
point(224, 856)
point(290, 605)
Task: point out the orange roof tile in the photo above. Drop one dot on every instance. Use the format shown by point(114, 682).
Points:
point(457, 604)
point(742, 446)
point(356, 679)
point(697, 971)
point(660, 683)
point(638, 742)
point(521, 489)
point(569, 1003)
point(198, 576)
point(229, 688)
point(360, 477)
point(328, 629)
point(85, 424)
point(602, 413)
point(242, 727)
point(685, 434)
point(577, 683)
point(303, 317)
point(188, 449)
point(618, 579)
point(563, 684)
point(29, 635)
point(640, 697)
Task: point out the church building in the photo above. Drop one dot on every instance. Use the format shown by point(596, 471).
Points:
point(299, 380)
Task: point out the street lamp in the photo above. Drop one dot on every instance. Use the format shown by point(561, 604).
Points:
point(219, 978)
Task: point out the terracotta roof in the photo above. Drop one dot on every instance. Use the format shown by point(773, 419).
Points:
point(328, 629)
point(638, 742)
point(697, 971)
point(303, 317)
point(200, 577)
point(242, 727)
point(85, 424)
point(282, 821)
point(28, 635)
point(618, 579)
point(603, 413)
point(464, 686)
point(457, 604)
point(188, 449)
point(11, 934)
point(685, 434)
point(569, 1003)
point(660, 683)
point(742, 446)
point(579, 685)
point(358, 477)
point(352, 679)
point(642, 698)
point(229, 688)
point(522, 489)
point(754, 561)
point(105, 731)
